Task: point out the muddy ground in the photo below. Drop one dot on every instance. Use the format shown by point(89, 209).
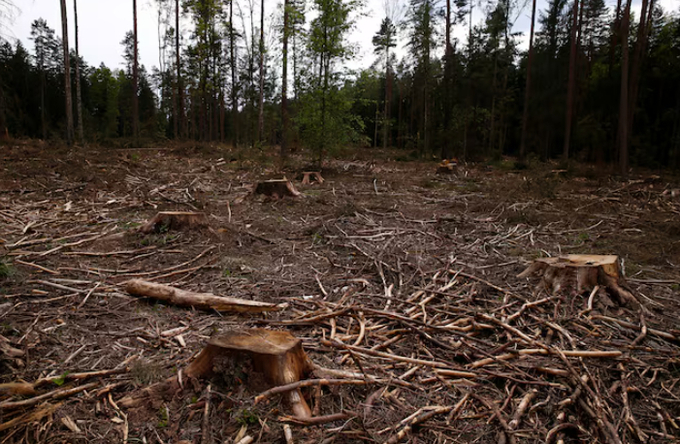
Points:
point(384, 255)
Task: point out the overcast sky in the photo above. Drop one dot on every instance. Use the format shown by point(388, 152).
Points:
point(103, 24)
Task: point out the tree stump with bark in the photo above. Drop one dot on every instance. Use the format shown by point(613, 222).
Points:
point(581, 273)
point(174, 220)
point(446, 166)
point(277, 189)
point(309, 176)
point(277, 355)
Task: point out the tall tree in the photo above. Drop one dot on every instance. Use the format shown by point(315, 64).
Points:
point(180, 87)
point(67, 75)
point(623, 134)
point(284, 81)
point(527, 86)
point(135, 75)
point(260, 117)
point(232, 69)
point(45, 46)
point(572, 82)
point(79, 97)
point(383, 40)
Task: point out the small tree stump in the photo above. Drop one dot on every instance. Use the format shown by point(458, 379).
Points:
point(277, 188)
point(277, 355)
point(446, 166)
point(308, 176)
point(581, 273)
point(174, 220)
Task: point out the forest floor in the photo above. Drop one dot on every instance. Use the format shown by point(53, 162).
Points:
point(402, 276)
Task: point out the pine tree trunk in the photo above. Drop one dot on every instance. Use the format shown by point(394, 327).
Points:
point(180, 89)
point(232, 67)
point(638, 58)
point(135, 74)
point(260, 118)
point(572, 84)
point(527, 87)
point(79, 99)
point(67, 75)
point(623, 101)
point(284, 83)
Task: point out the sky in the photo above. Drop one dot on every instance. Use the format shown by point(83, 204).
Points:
point(103, 24)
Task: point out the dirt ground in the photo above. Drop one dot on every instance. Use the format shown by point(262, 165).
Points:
point(388, 269)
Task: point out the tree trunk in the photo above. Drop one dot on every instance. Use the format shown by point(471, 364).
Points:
point(638, 58)
point(79, 99)
point(527, 87)
point(260, 119)
point(448, 28)
point(232, 63)
point(135, 74)
point(180, 87)
point(623, 101)
point(572, 83)
point(67, 75)
point(284, 83)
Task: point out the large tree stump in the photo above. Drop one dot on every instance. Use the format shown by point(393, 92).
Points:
point(205, 301)
point(309, 175)
point(582, 273)
point(277, 188)
point(174, 220)
point(277, 355)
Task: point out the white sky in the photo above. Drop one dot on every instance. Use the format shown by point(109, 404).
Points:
point(103, 24)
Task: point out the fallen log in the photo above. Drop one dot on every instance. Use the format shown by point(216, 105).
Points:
point(277, 189)
point(174, 220)
point(205, 301)
point(581, 273)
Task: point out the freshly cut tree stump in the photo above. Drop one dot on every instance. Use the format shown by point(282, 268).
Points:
point(205, 301)
point(582, 273)
point(174, 220)
point(307, 177)
point(277, 188)
point(277, 355)
point(446, 166)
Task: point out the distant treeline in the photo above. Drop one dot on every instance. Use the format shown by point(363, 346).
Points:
point(604, 85)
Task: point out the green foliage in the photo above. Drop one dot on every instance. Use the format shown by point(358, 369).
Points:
point(6, 269)
point(247, 418)
point(61, 379)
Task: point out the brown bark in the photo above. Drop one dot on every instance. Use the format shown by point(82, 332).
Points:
point(527, 87)
point(646, 15)
point(232, 59)
point(67, 75)
point(135, 74)
point(571, 87)
point(79, 99)
point(204, 301)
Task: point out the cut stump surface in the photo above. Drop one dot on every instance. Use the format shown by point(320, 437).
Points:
point(308, 176)
point(581, 273)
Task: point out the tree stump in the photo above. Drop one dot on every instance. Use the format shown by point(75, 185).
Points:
point(174, 220)
point(277, 189)
point(446, 166)
point(308, 176)
point(582, 273)
point(277, 355)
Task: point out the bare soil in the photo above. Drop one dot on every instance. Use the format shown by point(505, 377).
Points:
point(384, 256)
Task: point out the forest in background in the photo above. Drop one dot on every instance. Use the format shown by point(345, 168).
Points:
point(597, 84)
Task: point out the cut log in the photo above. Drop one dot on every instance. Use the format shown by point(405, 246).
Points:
point(174, 220)
point(277, 188)
point(205, 301)
point(582, 273)
point(277, 355)
point(308, 176)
